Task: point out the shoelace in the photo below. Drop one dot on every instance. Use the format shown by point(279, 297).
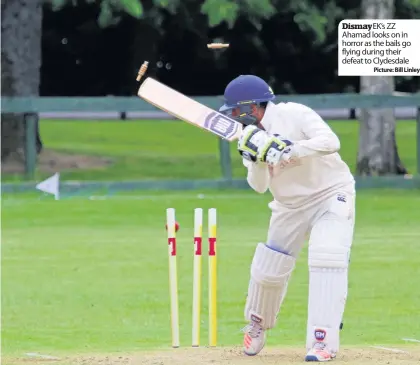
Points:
point(319, 345)
point(253, 329)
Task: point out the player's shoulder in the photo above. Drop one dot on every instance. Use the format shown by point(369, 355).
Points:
point(294, 107)
point(300, 113)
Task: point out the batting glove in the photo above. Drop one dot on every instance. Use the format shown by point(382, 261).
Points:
point(275, 150)
point(252, 138)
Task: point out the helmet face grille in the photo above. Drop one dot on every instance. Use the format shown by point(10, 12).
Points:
point(243, 92)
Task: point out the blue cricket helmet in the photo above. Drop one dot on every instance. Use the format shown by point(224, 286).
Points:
point(241, 93)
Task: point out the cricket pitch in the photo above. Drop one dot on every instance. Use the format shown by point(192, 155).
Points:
point(391, 355)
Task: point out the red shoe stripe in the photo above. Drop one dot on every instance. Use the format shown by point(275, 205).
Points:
point(247, 340)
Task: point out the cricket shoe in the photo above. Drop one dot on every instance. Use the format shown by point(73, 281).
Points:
point(254, 338)
point(319, 352)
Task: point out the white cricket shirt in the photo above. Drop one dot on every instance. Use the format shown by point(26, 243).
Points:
point(318, 169)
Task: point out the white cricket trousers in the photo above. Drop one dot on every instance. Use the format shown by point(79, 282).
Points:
point(290, 227)
point(329, 223)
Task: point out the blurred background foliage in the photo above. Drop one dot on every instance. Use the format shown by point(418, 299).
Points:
point(292, 44)
point(95, 48)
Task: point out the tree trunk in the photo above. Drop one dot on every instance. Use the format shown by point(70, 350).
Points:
point(378, 154)
point(21, 30)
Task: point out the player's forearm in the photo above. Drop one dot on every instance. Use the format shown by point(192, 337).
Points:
point(258, 177)
point(320, 145)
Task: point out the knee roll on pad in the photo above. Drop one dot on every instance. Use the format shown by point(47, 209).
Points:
point(324, 256)
point(270, 272)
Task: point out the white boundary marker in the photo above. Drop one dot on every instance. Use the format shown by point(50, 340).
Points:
point(170, 196)
point(410, 340)
point(165, 197)
point(390, 349)
point(40, 356)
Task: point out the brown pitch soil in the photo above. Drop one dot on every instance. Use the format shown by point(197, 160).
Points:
point(403, 355)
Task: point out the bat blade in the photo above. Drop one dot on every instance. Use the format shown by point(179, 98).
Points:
point(189, 110)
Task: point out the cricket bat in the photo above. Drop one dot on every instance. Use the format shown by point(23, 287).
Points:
point(189, 110)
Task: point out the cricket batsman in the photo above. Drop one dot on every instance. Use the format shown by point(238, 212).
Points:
point(289, 149)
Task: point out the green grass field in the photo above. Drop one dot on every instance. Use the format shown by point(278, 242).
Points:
point(83, 277)
point(172, 149)
point(87, 280)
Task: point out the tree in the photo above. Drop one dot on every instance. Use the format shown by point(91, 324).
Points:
point(109, 9)
point(263, 35)
point(20, 67)
point(276, 39)
point(378, 153)
point(21, 32)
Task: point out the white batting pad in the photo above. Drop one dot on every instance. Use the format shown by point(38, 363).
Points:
point(328, 259)
point(270, 272)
